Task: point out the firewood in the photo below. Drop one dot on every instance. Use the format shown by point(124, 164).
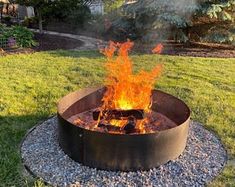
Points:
point(118, 114)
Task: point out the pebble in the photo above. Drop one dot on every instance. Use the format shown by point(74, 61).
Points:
point(202, 160)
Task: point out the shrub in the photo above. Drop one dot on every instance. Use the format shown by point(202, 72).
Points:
point(111, 5)
point(220, 35)
point(30, 22)
point(23, 37)
point(151, 20)
point(147, 19)
point(79, 16)
point(7, 20)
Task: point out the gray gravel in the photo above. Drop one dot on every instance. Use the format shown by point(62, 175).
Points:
point(202, 160)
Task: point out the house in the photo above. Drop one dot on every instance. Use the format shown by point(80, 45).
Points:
point(96, 7)
point(16, 10)
point(24, 11)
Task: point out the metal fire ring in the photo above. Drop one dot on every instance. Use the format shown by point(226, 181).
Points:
point(122, 152)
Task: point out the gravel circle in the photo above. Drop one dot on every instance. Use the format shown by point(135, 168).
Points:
point(202, 160)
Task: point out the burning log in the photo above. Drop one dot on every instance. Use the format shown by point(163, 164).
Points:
point(119, 114)
point(130, 125)
point(109, 127)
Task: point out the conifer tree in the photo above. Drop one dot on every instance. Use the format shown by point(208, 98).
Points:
point(150, 20)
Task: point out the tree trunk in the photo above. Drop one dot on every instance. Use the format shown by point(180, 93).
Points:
point(1, 10)
point(40, 22)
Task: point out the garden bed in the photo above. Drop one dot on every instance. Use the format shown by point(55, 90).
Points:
point(52, 42)
point(47, 43)
point(194, 49)
point(200, 50)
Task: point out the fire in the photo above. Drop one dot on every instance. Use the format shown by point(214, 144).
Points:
point(126, 90)
point(157, 49)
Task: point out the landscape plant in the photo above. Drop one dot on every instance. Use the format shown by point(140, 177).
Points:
point(180, 20)
point(111, 5)
point(16, 35)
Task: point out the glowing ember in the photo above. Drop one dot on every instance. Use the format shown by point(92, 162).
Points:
point(126, 90)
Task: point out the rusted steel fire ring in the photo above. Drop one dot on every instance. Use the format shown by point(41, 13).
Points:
point(122, 152)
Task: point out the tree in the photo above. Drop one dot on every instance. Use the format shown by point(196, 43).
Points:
point(176, 19)
point(40, 6)
point(215, 18)
point(47, 7)
point(1, 9)
point(111, 5)
point(145, 19)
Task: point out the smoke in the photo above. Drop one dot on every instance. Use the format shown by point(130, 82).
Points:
point(151, 21)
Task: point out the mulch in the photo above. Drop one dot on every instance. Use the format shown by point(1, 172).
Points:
point(47, 43)
point(53, 42)
point(201, 50)
point(194, 49)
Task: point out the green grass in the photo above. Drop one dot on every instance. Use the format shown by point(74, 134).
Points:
point(32, 84)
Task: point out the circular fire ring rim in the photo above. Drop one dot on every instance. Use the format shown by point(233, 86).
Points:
point(36, 175)
point(123, 152)
point(95, 89)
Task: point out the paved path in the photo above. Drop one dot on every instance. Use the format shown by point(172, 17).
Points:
point(89, 42)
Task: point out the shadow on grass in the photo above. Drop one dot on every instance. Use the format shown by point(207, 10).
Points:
point(12, 131)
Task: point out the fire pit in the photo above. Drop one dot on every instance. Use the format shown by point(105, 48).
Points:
point(125, 125)
point(111, 151)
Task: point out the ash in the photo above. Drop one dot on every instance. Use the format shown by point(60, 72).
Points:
point(156, 122)
point(202, 160)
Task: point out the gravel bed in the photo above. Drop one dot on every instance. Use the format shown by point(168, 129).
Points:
point(202, 160)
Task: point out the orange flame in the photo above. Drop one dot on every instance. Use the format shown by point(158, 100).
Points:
point(126, 90)
point(158, 49)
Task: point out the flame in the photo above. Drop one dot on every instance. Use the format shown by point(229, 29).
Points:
point(79, 121)
point(158, 49)
point(126, 90)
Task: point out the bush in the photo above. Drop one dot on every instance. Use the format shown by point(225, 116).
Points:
point(111, 5)
point(23, 37)
point(220, 35)
point(30, 22)
point(7, 20)
point(151, 20)
point(79, 16)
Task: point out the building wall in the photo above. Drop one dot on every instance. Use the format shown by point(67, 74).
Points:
point(16, 10)
point(25, 12)
point(4, 1)
point(97, 7)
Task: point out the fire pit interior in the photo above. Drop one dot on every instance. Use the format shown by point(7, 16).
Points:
point(125, 125)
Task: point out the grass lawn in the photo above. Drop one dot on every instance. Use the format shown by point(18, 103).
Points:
point(32, 84)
